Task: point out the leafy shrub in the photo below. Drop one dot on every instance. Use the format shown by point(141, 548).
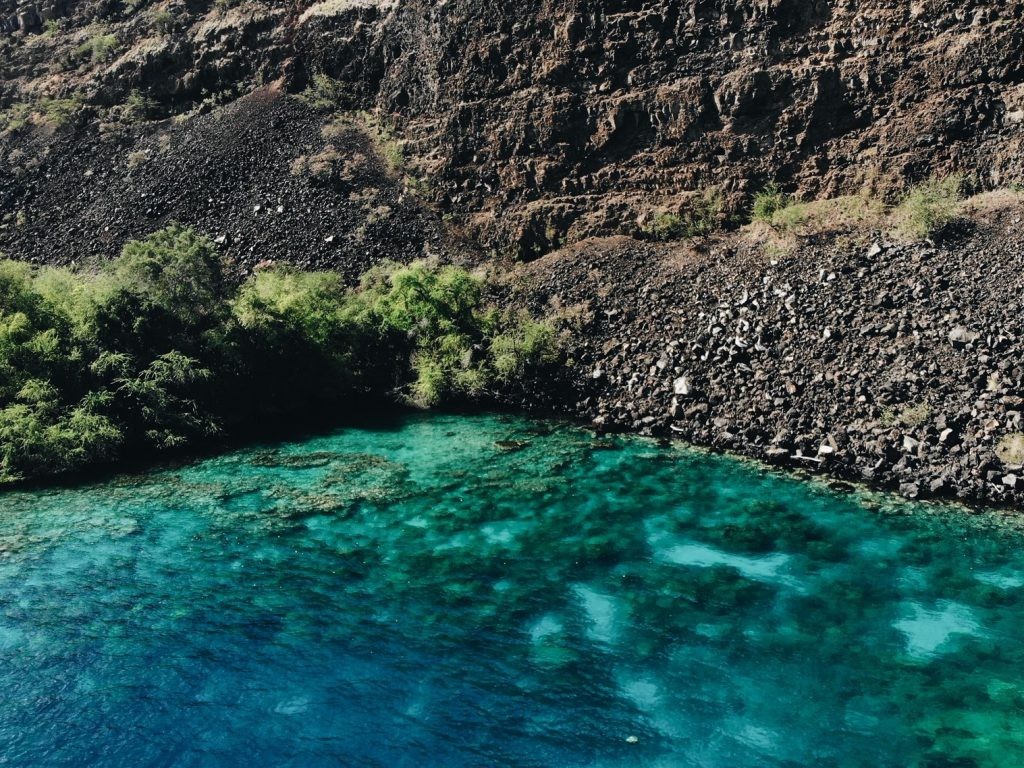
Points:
point(138, 106)
point(323, 92)
point(790, 217)
point(664, 226)
point(98, 48)
point(522, 343)
point(929, 207)
point(163, 21)
point(768, 202)
point(438, 312)
point(699, 218)
point(46, 111)
point(156, 350)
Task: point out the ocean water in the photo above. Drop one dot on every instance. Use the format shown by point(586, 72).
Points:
point(490, 591)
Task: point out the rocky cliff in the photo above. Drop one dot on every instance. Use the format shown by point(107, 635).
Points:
point(546, 122)
point(542, 121)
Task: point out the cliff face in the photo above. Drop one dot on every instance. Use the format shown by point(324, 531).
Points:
point(540, 122)
point(543, 121)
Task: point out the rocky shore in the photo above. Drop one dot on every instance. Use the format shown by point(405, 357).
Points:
point(897, 365)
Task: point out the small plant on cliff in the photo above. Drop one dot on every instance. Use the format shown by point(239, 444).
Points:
point(139, 107)
point(163, 21)
point(699, 218)
point(768, 202)
point(665, 225)
point(323, 92)
point(98, 48)
point(910, 416)
point(45, 111)
point(929, 207)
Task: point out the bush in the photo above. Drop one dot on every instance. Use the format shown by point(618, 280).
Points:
point(768, 202)
point(440, 314)
point(55, 112)
point(98, 48)
point(163, 21)
point(323, 92)
point(929, 207)
point(1011, 449)
point(138, 106)
point(156, 350)
point(700, 217)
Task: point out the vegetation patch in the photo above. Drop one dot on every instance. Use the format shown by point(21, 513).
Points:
point(839, 214)
point(928, 208)
point(98, 48)
point(157, 350)
point(1011, 449)
point(323, 92)
point(45, 112)
point(699, 218)
point(320, 166)
point(911, 416)
point(768, 202)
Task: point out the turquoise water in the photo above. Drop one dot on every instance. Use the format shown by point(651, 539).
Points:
point(488, 591)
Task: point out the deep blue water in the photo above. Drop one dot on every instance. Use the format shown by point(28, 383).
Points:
point(428, 594)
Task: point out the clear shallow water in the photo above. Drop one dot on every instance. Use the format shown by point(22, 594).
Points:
point(420, 596)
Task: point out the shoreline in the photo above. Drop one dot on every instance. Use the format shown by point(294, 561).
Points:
point(893, 364)
point(394, 414)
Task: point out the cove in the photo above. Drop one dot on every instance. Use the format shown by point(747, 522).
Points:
point(495, 591)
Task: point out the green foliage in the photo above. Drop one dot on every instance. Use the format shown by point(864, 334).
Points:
point(176, 271)
point(98, 48)
point(299, 340)
point(55, 112)
point(929, 207)
point(665, 226)
point(156, 350)
point(92, 365)
point(790, 217)
point(323, 92)
point(699, 218)
point(163, 21)
point(768, 202)
point(523, 342)
point(138, 106)
point(437, 312)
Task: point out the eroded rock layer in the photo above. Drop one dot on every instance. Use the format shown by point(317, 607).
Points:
point(542, 121)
